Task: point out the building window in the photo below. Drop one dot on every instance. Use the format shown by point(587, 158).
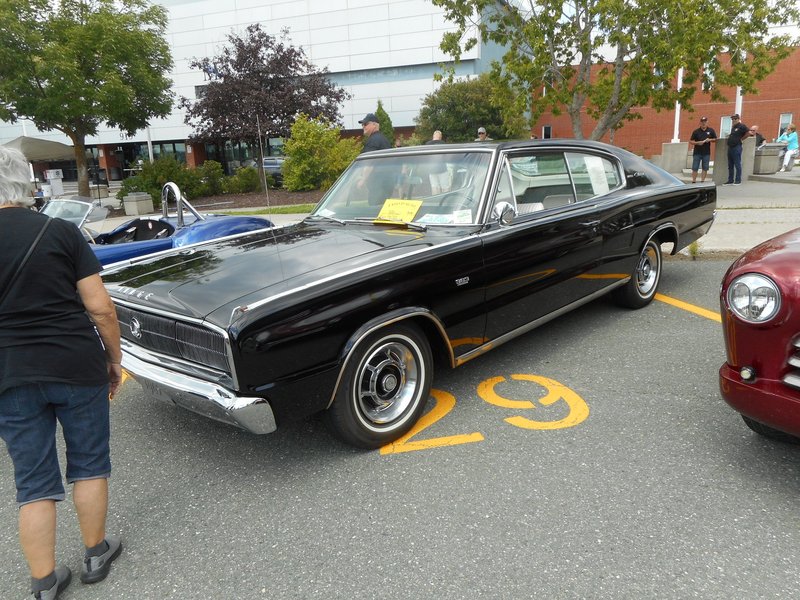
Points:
point(659, 76)
point(547, 132)
point(200, 91)
point(708, 77)
point(725, 127)
point(785, 119)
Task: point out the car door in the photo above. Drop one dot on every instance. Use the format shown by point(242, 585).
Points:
point(535, 264)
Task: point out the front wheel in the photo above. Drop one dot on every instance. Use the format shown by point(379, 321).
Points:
point(642, 287)
point(384, 388)
point(769, 432)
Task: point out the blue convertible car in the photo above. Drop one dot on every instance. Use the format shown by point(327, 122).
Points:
point(150, 234)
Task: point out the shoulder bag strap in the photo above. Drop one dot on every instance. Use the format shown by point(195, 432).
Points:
point(24, 261)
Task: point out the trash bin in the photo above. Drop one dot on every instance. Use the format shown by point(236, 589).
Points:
point(768, 158)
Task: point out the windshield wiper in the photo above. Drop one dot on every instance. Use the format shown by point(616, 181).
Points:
point(327, 218)
point(408, 224)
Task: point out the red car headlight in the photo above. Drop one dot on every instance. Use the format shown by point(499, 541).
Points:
point(754, 298)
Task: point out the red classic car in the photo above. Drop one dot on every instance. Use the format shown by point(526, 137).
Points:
point(760, 298)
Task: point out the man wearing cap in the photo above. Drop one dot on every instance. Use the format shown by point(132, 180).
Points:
point(482, 137)
point(701, 142)
point(372, 131)
point(739, 131)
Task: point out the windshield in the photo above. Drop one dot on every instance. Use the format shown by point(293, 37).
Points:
point(431, 188)
point(75, 211)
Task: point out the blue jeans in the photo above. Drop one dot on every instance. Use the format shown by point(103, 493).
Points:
point(699, 160)
point(28, 415)
point(735, 164)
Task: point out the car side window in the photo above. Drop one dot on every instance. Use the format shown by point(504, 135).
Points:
point(541, 181)
point(505, 190)
point(593, 175)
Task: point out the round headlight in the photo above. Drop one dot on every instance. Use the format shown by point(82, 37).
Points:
point(754, 298)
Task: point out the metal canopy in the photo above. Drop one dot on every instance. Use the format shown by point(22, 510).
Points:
point(38, 149)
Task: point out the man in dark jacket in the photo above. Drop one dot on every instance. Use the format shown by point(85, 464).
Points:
point(372, 131)
point(739, 131)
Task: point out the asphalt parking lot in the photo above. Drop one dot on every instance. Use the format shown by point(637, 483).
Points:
point(590, 458)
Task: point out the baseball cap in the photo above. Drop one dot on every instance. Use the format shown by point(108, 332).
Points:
point(735, 116)
point(481, 130)
point(704, 118)
point(370, 118)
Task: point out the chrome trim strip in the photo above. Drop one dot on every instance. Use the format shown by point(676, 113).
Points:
point(794, 362)
point(492, 344)
point(792, 380)
point(253, 414)
point(239, 310)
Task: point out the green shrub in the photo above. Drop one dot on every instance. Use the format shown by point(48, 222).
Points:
point(154, 175)
point(243, 181)
point(315, 156)
point(212, 177)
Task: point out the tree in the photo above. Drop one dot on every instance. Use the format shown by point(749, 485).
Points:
point(607, 57)
point(259, 85)
point(72, 65)
point(458, 108)
point(385, 122)
point(316, 154)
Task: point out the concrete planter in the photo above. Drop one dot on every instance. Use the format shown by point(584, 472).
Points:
point(137, 203)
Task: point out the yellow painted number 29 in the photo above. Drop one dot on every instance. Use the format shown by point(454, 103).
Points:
point(578, 409)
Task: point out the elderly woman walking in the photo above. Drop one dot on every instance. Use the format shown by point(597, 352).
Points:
point(59, 362)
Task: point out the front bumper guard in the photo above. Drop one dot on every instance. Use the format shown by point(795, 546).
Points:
point(211, 400)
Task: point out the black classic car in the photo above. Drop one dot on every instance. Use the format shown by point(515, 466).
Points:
point(415, 257)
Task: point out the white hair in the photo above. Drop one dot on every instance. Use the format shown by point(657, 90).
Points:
point(15, 184)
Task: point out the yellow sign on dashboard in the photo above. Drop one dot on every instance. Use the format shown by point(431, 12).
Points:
point(396, 210)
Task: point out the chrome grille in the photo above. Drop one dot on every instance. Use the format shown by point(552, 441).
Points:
point(792, 378)
point(173, 338)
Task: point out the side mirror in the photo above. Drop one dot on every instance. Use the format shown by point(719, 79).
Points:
point(504, 212)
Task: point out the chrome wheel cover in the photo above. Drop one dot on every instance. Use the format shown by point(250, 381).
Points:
point(647, 271)
point(388, 382)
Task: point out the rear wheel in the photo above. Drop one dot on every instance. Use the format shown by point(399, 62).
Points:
point(384, 388)
point(642, 287)
point(769, 432)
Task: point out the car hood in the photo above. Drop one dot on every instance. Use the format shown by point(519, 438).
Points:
point(210, 280)
point(777, 257)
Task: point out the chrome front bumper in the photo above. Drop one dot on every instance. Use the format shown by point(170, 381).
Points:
point(203, 397)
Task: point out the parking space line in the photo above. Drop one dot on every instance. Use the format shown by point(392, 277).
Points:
point(703, 312)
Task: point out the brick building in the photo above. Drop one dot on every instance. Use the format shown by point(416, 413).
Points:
point(777, 103)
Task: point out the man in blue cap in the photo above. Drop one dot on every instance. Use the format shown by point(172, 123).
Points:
point(372, 131)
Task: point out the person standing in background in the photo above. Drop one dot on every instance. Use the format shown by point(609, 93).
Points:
point(372, 131)
point(755, 133)
point(739, 131)
point(60, 363)
point(701, 141)
point(439, 175)
point(482, 137)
